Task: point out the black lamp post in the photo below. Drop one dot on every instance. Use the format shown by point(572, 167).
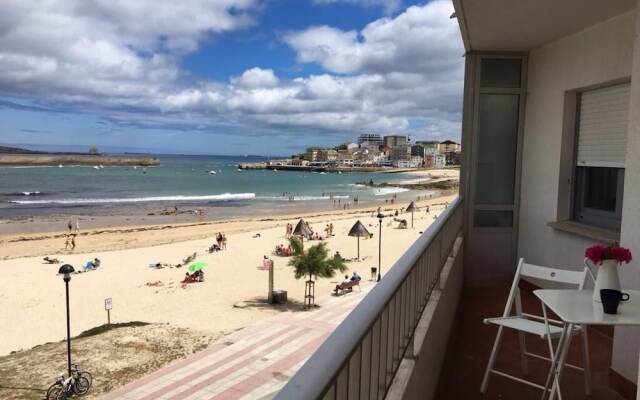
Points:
point(66, 270)
point(380, 217)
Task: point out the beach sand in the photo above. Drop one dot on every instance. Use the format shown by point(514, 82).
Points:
point(32, 294)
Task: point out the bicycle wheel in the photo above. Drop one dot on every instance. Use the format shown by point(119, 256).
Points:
point(88, 376)
point(81, 385)
point(56, 392)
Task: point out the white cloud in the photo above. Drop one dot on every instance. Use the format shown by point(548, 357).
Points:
point(255, 78)
point(388, 5)
point(120, 59)
point(422, 40)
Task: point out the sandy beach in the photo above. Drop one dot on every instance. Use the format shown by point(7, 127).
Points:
point(32, 294)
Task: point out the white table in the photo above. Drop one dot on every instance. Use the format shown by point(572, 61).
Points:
point(576, 307)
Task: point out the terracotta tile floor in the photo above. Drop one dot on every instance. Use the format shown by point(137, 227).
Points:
point(470, 345)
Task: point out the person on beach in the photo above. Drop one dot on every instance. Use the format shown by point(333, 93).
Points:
point(73, 242)
point(219, 239)
point(70, 226)
point(331, 228)
point(345, 281)
point(77, 225)
point(67, 242)
point(224, 241)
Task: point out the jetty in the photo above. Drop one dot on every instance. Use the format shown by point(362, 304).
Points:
point(323, 168)
point(75, 159)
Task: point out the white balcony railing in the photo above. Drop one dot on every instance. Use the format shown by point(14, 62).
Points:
point(361, 357)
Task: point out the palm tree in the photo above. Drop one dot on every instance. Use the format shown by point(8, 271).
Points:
point(313, 262)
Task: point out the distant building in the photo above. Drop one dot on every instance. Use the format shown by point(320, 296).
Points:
point(352, 147)
point(315, 154)
point(345, 158)
point(312, 154)
point(430, 146)
point(327, 155)
point(418, 151)
point(392, 141)
point(449, 146)
point(453, 157)
point(401, 152)
point(435, 161)
point(367, 139)
point(412, 162)
point(299, 162)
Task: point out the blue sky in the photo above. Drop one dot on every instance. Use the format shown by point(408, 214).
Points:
point(227, 77)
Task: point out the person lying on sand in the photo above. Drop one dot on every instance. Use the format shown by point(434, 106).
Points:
point(196, 277)
point(159, 265)
point(257, 235)
point(51, 260)
point(190, 258)
point(214, 247)
point(91, 265)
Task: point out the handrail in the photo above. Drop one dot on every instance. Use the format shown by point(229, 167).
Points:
point(409, 277)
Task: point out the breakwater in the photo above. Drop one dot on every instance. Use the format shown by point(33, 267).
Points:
point(62, 159)
point(335, 169)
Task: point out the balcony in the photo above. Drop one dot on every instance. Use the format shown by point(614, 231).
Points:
point(419, 335)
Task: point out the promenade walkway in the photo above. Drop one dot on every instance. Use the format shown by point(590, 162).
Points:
point(253, 363)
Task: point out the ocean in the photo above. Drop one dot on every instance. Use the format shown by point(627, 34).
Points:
point(183, 182)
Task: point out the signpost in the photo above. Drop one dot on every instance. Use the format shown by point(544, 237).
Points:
point(108, 305)
point(270, 298)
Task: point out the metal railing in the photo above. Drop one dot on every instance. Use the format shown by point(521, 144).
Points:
point(361, 357)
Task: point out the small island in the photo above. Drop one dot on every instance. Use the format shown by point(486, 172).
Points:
point(14, 156)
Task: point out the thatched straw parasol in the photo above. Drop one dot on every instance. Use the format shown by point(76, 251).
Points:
point(412, 208)
point(302, 230)
point(358, 230)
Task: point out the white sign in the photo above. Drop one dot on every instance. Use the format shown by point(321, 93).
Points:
point(108, 304)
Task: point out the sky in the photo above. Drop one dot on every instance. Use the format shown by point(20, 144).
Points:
point(232, 77)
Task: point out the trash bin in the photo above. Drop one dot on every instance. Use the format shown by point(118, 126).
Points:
point(279, 296)
point(374, 270)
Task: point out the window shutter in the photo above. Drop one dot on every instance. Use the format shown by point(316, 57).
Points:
point(602, 130)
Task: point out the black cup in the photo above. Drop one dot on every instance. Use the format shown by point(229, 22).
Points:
point(611, 298)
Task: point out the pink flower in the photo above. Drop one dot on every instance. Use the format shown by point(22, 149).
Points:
point(621, 254)
point(598, 253)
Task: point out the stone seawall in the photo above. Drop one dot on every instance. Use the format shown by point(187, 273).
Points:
point(58, 159)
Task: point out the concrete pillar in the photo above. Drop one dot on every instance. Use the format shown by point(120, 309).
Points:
point(626, 341)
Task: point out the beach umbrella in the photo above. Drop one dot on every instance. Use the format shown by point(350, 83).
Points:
point(358, 230)
point(197, 266)
point(412, 208)
point(302, 230)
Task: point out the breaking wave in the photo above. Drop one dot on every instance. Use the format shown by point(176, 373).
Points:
point(218, 197)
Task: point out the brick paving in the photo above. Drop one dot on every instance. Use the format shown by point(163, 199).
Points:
point(253, 363)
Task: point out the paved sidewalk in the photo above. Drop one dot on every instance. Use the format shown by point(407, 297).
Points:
point(253, 363)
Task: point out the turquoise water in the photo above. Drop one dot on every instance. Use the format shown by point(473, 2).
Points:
point(183, 180)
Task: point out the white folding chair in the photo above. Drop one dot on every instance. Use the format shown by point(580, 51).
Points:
point(534, 324)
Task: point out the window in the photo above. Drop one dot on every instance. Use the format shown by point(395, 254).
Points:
point(600, 156)
point(496, 135)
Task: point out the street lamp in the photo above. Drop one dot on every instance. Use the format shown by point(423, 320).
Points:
point(66, 270)
point(380, 217)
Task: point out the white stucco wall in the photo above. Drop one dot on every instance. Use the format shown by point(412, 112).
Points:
point(626, 341)
point(600, 54)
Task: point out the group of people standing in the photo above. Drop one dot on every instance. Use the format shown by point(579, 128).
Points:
point(70, 237)
point(221, 239)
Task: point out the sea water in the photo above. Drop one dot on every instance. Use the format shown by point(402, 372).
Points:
point(184, 181)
